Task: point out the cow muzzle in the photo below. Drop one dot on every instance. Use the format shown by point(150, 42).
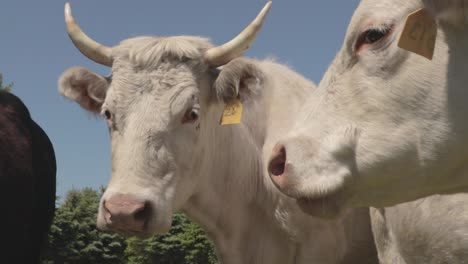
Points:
point(126, 214)
point(315, 173)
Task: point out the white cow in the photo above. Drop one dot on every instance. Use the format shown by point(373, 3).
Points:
point(163, 104)
point(387, 126)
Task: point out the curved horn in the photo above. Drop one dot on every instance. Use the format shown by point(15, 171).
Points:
point(90, 48)
point(221, 55)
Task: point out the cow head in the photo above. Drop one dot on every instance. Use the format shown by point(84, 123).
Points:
point(385, 125)
point(155, 103)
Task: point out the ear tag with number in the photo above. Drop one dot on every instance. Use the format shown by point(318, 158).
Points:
point(232, 113)
point(419, 34)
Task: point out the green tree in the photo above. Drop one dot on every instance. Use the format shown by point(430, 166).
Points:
point(185, 243)
point(7, 87)
point(74, 239)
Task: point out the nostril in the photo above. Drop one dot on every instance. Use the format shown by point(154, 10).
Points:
point(278, 161)
point(143, 213)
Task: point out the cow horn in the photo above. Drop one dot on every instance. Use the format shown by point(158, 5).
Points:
point(90, 48)
point(220, 55)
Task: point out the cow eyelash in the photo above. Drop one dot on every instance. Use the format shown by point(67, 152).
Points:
point(372, 36)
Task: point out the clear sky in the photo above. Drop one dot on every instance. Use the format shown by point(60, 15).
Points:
point(35, 50)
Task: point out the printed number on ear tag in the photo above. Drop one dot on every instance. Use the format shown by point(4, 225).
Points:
point(419, 34)
point(232, 113)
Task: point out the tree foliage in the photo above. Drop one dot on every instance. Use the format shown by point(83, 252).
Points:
point(185, 243)
point(74, 239)
point(7, 87)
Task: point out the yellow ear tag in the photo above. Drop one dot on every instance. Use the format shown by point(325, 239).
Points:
point(232, 113)
point(419, 34)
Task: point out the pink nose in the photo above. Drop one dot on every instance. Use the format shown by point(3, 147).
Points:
point(277, 165)
point(126, 213)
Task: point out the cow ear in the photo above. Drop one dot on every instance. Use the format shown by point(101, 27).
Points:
point(454, 12)
point(84, 87)
point(241, 78)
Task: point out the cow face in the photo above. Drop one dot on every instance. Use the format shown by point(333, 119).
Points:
point(385, 125)
point(156, 103)
point(153, 107)
point(160, 116)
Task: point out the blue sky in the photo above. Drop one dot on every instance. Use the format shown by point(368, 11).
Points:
point(35, 50)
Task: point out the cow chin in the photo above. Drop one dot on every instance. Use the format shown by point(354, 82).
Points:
point(330, 205)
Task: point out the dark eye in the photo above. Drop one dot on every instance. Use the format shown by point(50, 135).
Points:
point(108, 115)
point(371, 37)
point(194, 115)
point(374, 35)
point(190, 116)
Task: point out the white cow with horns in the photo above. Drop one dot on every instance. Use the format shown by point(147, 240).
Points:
point(387, 126)
point(163, 104)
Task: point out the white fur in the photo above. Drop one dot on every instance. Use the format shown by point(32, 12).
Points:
point(454, 12)
point(215, 174)
point(413, 135)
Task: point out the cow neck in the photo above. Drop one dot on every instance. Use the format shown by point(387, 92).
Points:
point(231, 202)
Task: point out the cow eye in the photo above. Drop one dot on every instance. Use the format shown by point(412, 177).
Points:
point(108, 115)
point(373, 35)
point(194, 115)
point(190, 116)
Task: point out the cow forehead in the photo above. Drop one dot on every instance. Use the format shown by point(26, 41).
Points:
point(149, 52)
point(156, 66)
point(164, 84)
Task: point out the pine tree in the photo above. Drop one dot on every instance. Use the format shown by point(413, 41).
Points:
point(6, 88)
point(185, 243)
point(74, 238)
